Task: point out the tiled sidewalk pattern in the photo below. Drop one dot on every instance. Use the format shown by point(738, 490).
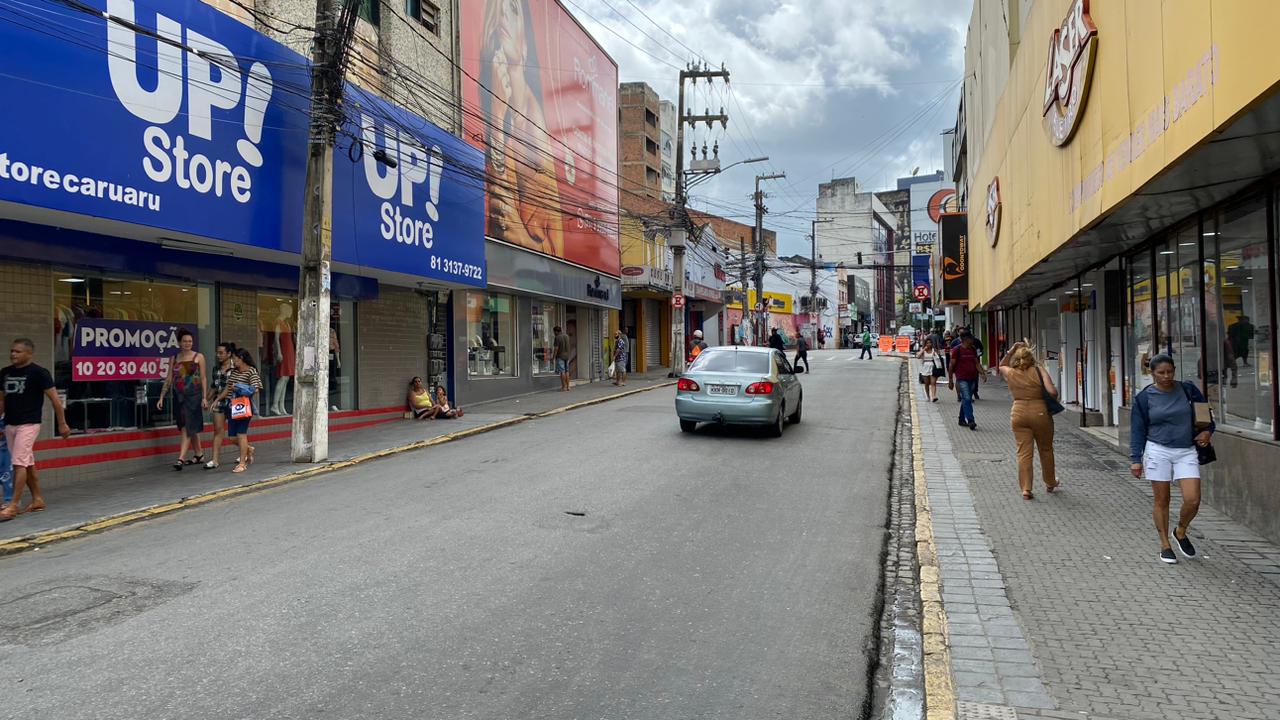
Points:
point(1111, 632)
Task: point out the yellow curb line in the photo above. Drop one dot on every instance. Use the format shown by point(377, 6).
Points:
point(940, 699)
point(19, 544)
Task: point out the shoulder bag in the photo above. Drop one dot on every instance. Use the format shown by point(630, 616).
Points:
point(1050, 401)
point(1204, 454)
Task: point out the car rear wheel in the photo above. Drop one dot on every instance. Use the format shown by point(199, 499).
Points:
point(688, 425)
point(775, 430)
point(795, 416)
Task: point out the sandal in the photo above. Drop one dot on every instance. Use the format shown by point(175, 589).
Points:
point(210, 465)
point(197, 459)
point(1028, 496)
point(177, 464)
point(241, 467)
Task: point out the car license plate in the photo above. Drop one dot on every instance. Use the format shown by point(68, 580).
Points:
point(722, 389)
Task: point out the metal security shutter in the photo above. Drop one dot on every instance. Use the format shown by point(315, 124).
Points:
point(652, 336)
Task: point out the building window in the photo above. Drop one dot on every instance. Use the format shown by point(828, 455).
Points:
point(491, 335)
point(546, 316)
point(1142, 340)
point(114, 384)
point(425, 12)
point(650, 146)
point(369, 11)
point(1238, 322)
point(1178, 300)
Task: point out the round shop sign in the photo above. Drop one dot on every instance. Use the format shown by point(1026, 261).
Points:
point(632, 271)
point(677, 301)
point(994, 209)
point(1072, 49)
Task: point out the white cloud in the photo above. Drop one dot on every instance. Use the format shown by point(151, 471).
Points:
point(822, 86)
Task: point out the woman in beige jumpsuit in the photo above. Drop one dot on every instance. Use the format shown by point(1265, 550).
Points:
point(1032, 424)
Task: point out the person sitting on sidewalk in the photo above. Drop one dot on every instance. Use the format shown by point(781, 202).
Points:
point(1162, 443)
point(443, 409)
point(1029, 417)
point(420, 401)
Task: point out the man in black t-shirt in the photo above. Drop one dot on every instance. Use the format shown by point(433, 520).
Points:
point(23, 388)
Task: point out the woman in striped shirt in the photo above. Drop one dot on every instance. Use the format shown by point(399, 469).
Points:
point(242, 381)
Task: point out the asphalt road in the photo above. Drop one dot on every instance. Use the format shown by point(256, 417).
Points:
point(715, 575)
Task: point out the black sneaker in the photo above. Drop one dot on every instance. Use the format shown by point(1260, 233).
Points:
point(973, 426)
point(1184, 545)
point(1167, 556)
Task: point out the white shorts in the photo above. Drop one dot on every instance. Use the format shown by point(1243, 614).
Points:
point(1165, 464)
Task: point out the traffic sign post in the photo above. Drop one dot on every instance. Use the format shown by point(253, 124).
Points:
point(677, 301)
point(922, 292)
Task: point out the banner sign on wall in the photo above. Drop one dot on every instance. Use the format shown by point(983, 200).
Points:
point(953, 266)
point(104, 349)
point(205, 134)
point(547, 121)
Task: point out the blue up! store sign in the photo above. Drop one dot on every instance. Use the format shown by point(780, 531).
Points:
point(174, 117)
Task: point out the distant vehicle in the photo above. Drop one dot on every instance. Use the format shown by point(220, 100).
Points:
point(732, 385)
point(857, 341)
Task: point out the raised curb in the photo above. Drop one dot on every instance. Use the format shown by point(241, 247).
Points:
point(940, 698)
point(35, 541)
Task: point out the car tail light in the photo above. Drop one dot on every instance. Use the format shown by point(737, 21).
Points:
point(687, 385)
point(760, 388)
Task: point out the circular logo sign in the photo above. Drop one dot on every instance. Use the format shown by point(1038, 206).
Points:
point(993, 211)
point(945, 200)
point(1072, 49)
point(922, 292)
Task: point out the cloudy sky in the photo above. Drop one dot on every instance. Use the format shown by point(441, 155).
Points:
point(825, 88)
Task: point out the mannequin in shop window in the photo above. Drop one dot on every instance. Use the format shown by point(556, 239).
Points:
point(285, 359)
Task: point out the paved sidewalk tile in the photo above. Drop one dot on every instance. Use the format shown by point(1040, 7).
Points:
point(1095, 626)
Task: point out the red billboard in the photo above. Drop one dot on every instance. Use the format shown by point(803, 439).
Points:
point(540, 99)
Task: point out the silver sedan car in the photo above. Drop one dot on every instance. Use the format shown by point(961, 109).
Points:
point(734, 385)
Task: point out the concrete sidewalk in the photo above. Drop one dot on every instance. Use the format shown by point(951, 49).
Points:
point(1059, 608)
point(74, 504)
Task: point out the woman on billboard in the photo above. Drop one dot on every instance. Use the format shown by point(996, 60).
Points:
point(524, 194)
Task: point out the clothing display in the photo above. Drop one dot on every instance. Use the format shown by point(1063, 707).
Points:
point(286, 360)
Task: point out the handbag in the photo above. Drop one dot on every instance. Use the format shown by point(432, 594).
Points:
point(241, 408)
point(1205, 454)
point(1050, 401)
point(612, 369)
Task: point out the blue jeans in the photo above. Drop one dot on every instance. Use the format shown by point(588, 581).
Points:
point(967, 388)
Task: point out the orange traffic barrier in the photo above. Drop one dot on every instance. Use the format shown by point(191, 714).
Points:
point(886, 343)
point(902, 343)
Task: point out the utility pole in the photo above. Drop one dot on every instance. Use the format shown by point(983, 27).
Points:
point(748, 338)
point(335, 23)
point(813, 276)
point(679, 217)
point(759, 249)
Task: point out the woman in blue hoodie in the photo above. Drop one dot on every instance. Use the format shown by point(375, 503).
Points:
point(1162, 443)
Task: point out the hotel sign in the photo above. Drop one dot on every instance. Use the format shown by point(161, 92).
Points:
point(1073, 48)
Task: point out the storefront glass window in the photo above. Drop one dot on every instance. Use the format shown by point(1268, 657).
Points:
point(1238, 319)
point(277, 351)
point(546, 316)
point(1178, 293)
point(342, 355)
point(118, 387)
point(491, 335)
point(1141, 322)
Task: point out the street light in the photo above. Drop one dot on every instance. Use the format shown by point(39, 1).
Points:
point(698, 176)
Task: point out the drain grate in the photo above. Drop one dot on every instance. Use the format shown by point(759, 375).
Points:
point(966, 710)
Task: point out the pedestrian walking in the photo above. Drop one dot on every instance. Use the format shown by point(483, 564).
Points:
point(1030, 419)
point(561, 357)
point(620, 357)
point(243, 385)
point(866, 344)
point(802, 353)
point(24, 386)
point(965, 368)
point(186, 377)
point(931, 368)
point(218, 410)
point(1163, 442)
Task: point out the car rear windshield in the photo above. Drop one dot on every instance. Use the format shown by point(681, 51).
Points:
point(732, 361)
